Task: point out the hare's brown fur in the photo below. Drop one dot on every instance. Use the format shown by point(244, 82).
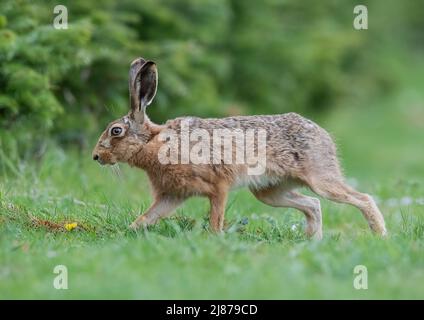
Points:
point(298, 153)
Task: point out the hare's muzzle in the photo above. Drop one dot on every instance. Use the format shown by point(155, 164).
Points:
point(97, 158)
point(103, 159)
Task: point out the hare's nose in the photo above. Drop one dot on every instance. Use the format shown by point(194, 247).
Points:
point(96, 157)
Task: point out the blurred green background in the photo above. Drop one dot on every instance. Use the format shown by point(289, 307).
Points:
point(59, 89)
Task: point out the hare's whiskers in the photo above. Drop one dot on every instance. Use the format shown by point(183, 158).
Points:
point(117, 171)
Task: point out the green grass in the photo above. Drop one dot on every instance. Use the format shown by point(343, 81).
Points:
point(262, 255)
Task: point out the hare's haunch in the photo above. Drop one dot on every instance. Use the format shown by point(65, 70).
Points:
point(271, 155)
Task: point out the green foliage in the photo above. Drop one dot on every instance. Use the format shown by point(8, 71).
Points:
point(45, 72)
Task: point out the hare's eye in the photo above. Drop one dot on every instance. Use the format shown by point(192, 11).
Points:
point(116, 131)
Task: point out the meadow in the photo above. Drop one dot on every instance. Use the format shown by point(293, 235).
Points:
point(262, 255)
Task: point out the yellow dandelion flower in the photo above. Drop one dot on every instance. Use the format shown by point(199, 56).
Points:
point(70, 226)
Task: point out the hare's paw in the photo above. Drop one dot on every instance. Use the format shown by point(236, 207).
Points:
point(133, 226)
point(141, 221)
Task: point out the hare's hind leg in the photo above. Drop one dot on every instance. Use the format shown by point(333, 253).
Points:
point(336, 190)
point(282, 197)
point(162, 207)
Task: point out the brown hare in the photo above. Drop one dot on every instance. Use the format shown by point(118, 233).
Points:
point(298, 153)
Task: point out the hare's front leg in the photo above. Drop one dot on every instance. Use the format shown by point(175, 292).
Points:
point(217, 211)
point(162, 207)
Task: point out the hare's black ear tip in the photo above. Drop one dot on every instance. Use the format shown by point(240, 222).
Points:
point(139, 61)
point(150, 63)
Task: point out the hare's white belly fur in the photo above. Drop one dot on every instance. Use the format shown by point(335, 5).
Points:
point(257, 181)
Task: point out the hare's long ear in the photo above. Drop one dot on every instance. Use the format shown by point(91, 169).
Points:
point(134, 99)
point(143, 86)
